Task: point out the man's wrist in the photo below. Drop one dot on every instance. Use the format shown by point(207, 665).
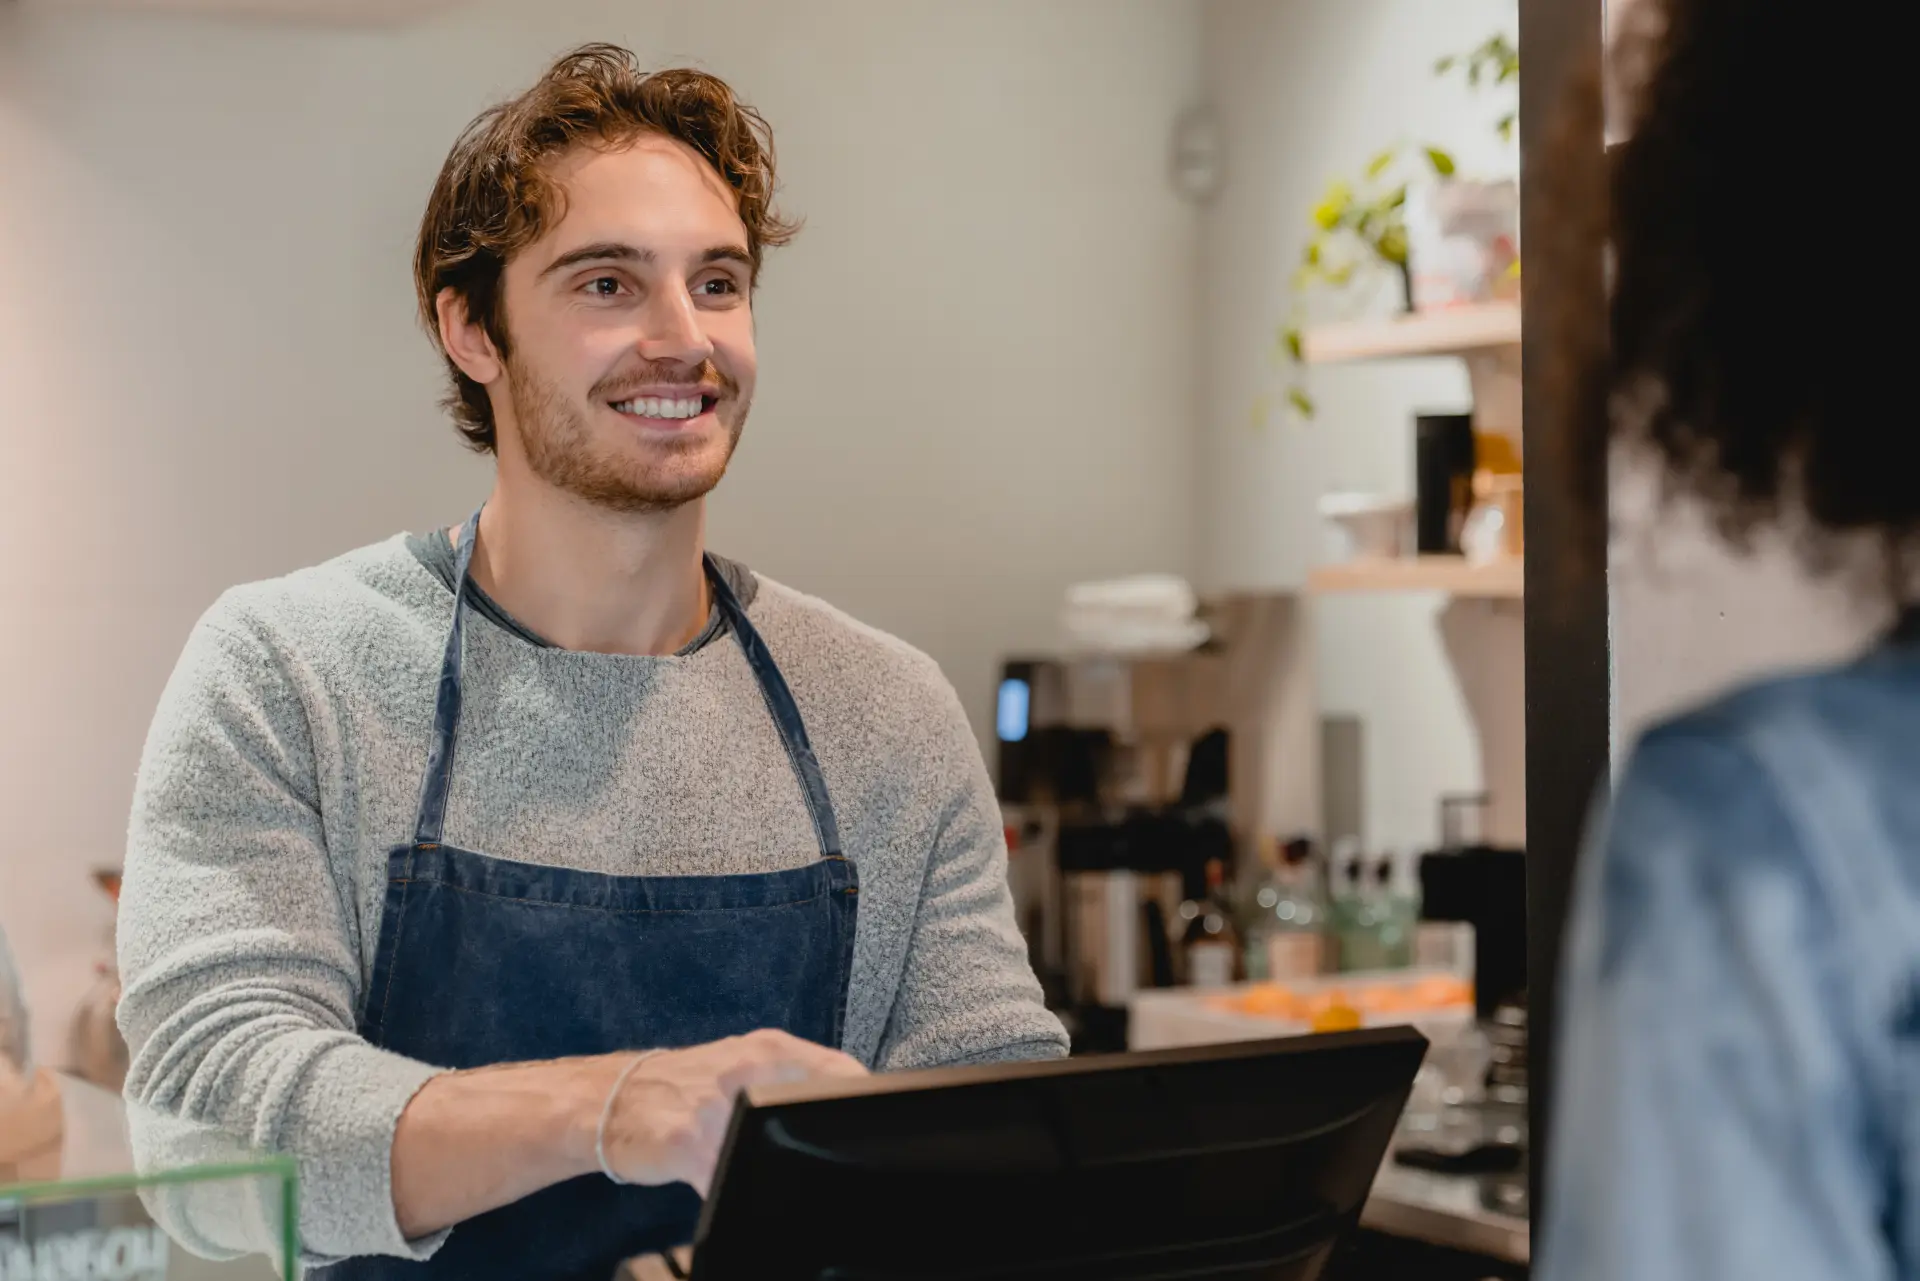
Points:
point(475, 1140)
point(582, 1103)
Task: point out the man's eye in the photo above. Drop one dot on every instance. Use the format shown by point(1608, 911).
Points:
point(719, 286)
point(603, 286)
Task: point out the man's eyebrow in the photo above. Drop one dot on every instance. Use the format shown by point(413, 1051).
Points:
point(728, 253)
point(616, 251)
point(604, 251)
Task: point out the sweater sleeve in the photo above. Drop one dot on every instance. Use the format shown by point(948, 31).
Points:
point(967, 994)
point(240, 973)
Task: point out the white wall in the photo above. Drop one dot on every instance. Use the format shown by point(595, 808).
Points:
point(1309, 90)
point(977, 360)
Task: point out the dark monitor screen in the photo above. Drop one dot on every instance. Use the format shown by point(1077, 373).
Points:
point(1235, 1162)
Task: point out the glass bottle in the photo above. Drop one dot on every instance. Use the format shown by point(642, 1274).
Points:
point(1296, 940)
point(1359, 912)
point(1211, 944)
point(1256, 921)
point(1394, 910)
point(1342, 903)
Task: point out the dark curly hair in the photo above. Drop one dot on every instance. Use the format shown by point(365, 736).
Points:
point(494, 195)
point(1740, 343)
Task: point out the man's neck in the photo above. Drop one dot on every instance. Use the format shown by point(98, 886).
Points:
point(590, 579)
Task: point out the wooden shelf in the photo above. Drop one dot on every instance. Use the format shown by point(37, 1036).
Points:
point(1452, 574)
point(1434, 333)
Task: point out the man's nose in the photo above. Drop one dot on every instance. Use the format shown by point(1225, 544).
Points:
point(672, 329)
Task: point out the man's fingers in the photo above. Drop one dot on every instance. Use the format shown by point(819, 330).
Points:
point(677, 1108)
point(838, 1064)
point(818, 1059)
point(775, 1057)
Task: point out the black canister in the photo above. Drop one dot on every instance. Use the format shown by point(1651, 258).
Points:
point(1443, 461)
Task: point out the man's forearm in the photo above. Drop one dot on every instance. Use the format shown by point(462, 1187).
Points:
point(470, 1142)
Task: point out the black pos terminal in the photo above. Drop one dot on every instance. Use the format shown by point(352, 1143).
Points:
point(1230, 1162)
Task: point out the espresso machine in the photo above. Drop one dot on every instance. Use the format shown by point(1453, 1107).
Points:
point(1123, 775)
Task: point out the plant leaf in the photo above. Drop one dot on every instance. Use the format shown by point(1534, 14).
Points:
point(1397, 199)
point(1290, 338)
point(1504, 126)
point(1301, 402)
point(1445, 65)
point(1378, 165)
point(1441, 161)
point(1393, 245)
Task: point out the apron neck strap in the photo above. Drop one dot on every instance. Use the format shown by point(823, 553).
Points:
point(430, 821)
point(786, 712)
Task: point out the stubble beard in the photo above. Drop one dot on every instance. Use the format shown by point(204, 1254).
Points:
point(562, 450)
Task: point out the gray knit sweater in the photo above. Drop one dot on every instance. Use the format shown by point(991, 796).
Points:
point(285, 761)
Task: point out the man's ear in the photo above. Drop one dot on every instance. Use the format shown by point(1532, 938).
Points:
point(467, 342)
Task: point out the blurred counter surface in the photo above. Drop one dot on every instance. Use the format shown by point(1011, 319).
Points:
point(1475, 1213)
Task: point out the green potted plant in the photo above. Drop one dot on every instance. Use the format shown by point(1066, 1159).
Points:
point(1360, 224)
point(1493, 61)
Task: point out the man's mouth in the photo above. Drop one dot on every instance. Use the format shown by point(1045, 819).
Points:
point(668, 404)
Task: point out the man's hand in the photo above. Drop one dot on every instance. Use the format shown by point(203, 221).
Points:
point(672, 1113)
point(473, 1141)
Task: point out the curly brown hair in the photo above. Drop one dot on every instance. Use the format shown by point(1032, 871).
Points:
point(495, 194)
point(1738, 345)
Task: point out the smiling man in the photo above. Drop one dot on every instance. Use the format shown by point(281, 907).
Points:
point(479, 869)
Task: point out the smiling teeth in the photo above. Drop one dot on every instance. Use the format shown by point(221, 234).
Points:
point(653, 407)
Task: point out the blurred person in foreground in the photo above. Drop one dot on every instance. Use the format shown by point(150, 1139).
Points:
point(1739, 1091)
point(480, 869)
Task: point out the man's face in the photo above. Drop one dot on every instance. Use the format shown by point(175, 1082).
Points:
point(630, 328)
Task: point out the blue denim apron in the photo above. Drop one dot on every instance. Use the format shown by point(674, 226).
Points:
point(482, 961)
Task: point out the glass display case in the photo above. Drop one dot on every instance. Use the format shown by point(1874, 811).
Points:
point(111, 1228)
